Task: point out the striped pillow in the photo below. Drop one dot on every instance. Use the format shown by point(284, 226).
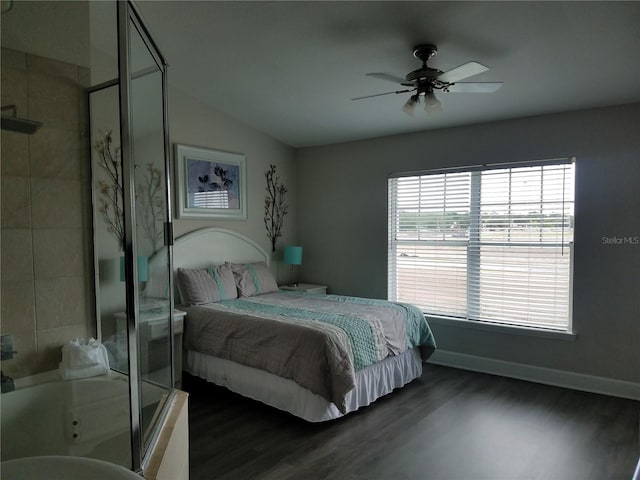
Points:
point(253, 279)
point(225, 281)
point(206, 285)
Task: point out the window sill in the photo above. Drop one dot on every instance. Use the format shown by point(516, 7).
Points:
point(500, 328)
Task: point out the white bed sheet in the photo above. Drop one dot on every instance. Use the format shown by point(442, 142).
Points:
point(372, 383)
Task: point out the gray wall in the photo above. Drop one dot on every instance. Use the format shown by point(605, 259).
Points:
point(342, 222)
point(193, 123)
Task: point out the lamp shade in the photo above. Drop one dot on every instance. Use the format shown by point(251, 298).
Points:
point(293, 255)
point(143, 269)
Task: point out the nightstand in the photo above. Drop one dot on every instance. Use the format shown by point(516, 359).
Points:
point(306, 287)
point(152, 332)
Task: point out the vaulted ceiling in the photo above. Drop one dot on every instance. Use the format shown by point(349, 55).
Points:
point(290, 69)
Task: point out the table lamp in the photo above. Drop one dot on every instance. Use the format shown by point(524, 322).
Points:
point(293, 256)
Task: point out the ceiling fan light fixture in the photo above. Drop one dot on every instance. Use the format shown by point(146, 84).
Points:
point(425, 80)
point(432, 104)
point(410, 105)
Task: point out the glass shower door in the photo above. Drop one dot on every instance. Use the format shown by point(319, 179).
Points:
point(147, 255)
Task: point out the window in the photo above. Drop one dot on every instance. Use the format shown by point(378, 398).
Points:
point(488, 243)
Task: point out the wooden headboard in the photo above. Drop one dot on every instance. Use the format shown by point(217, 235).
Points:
point(202, 248)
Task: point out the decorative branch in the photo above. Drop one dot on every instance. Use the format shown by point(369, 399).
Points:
point(111, 201)
point(149, 195)
point(275, 207)
point(151, 206)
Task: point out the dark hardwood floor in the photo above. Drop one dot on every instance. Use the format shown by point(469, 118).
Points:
point(450, 424)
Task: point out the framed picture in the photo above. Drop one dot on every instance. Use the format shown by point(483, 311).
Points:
point(211, 184)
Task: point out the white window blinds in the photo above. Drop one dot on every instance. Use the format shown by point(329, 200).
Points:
point(489, 243)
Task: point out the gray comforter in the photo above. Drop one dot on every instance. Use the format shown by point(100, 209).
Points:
point(318, 341)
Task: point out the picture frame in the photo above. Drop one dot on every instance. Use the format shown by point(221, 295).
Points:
point(211, 184)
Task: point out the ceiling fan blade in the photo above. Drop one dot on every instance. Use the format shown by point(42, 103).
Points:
point(465, 70)
point(381, 94)
point(390, 78)
point(475, 87)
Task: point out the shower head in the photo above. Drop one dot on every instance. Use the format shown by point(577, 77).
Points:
point(20, 125)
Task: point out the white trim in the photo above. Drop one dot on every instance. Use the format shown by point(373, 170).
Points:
point(487, 166)
point(501, 328)
point(548, 376)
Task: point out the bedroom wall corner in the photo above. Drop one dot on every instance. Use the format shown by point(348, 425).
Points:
point(193, 123)
point(345, 233)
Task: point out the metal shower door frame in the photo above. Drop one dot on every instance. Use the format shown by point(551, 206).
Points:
point(128, 16)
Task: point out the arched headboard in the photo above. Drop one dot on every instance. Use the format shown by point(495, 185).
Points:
point(207, 246)
point(202, 248)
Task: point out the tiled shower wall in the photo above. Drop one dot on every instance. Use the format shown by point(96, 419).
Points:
point(46, 227)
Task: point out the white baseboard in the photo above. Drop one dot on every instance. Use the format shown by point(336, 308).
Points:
point(548, 376)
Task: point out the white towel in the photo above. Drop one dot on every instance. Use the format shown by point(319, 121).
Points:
point(76, 373)
point(83, 359)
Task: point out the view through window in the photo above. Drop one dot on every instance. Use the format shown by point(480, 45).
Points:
point(487, 243)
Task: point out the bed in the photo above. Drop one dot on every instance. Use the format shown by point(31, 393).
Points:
point(318, 357)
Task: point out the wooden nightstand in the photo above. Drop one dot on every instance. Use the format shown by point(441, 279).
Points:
point(306, 287)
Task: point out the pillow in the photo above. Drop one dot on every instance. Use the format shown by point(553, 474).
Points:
point(196, 286)
point(225, 281)
point(206, 285)
point(253, 279)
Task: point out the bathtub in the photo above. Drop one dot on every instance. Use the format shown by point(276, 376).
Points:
point(85, 418)
point(63, 468)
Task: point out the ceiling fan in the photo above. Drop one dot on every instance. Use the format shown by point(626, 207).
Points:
point(425, 80)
